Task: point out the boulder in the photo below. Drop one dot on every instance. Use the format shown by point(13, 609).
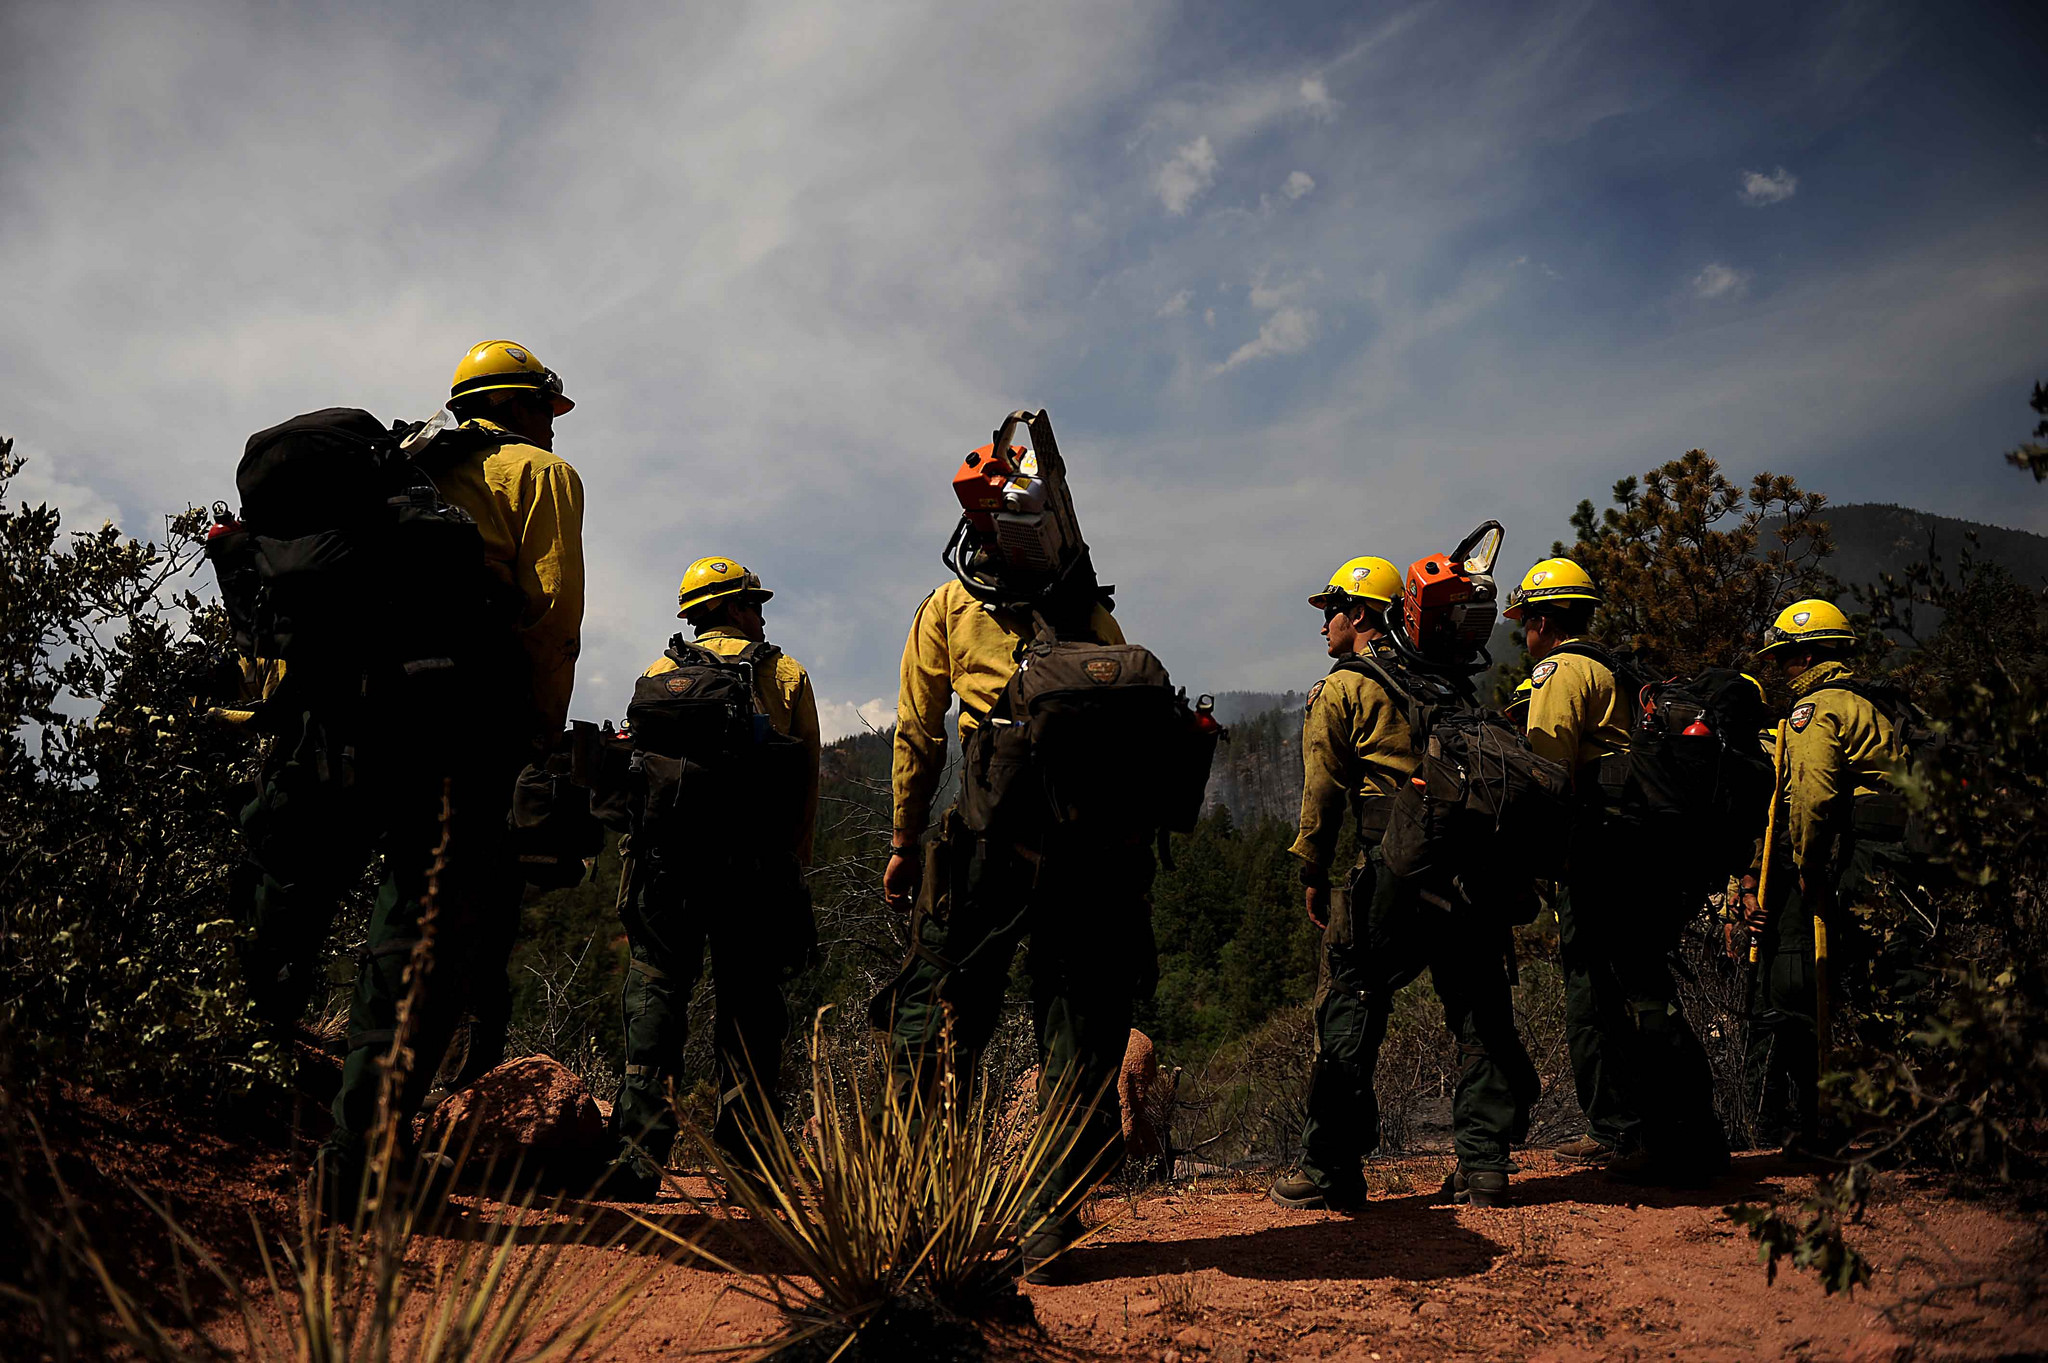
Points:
point(533, 1113)
point(1146, 1098)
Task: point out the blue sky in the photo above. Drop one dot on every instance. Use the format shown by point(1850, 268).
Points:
point(1297, 282)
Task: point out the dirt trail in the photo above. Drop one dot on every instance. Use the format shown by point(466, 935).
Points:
point(1581, 1268)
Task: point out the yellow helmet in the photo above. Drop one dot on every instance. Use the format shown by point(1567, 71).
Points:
point(499, 366)
point(1554, 579)
point(1518, 704)
point(1360, 579)
point(710, 579)
point(1809, 622)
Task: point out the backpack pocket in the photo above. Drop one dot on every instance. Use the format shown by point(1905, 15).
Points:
point(998, 787)
point(1422, 820)
point(553, 829)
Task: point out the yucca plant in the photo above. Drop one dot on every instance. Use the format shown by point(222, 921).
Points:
point(897, 1203)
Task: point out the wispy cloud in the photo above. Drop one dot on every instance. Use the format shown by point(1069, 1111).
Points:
point(1759, 189)
point(1298, 184)
point(1289, 331)
point(1177, 305)
point(1186, 174)
point(1716, 280)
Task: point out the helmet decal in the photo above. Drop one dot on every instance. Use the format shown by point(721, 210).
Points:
point(516, 353)
point(1801, 617)
point(721, 567)
point(1538, 579)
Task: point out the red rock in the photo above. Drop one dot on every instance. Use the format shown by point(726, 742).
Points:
point(532, 1112)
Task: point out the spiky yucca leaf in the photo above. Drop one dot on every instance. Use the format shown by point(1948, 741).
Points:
point(892, 1193)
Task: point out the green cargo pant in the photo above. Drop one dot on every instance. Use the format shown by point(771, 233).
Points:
point(1085, 905)
point(477, 918)
point(1381, 936)
point(1592, 1012)
point(1782, 1063)
point(1632, 915)
point(743, 911)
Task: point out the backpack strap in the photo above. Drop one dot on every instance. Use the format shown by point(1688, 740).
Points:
point(1415, 710)
point(1890, 699)
point(1586, 648)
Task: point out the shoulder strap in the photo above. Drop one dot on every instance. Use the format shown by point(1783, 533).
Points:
point(688, 653)
point(1415, 709)
point(1888, 697)
point(1585, 648)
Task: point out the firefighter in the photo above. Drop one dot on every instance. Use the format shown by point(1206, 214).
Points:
point(1641, 1075)
point(748, 903)
point(1384, 931)
point(499, 466)
point(1839, 838)
point(1083, 899)
point(1516, 711)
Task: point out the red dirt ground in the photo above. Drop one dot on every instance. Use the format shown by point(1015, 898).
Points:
point(1581, 1268)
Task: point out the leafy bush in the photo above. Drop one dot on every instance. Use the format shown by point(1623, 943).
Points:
point(116, 838)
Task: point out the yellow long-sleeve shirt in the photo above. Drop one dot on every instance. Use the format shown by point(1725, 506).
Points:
point(1838, 745)
point(528, 504)
point(1576, 713)
point(1355, 749)
point(957, 647)
point(791, 705)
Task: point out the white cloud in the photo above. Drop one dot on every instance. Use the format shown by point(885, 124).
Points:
point(1720, 281)
point(1209, 317)
point(1759, 189)
point(838, 718)
point(81, 507)
point(1316, 95)
point(1298, 184)
point(1183, 178)
point(1176, 305)
point(1288, 331)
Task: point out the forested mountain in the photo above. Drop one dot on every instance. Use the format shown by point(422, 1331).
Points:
point(1872, 538)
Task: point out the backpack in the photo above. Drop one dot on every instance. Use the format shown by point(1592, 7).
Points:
point(1702, 797)
point(715, 775)
point(1482, 807)
point(346, 564)
point(1086, 735)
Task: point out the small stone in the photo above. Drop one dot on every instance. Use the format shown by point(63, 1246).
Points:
point(1432, 1310)
point(1195, 1337)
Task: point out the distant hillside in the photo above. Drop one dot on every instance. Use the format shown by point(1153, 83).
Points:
point(1874, 538)
point(1232, 707)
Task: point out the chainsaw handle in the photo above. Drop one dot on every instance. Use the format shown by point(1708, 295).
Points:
point(1039, 423)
